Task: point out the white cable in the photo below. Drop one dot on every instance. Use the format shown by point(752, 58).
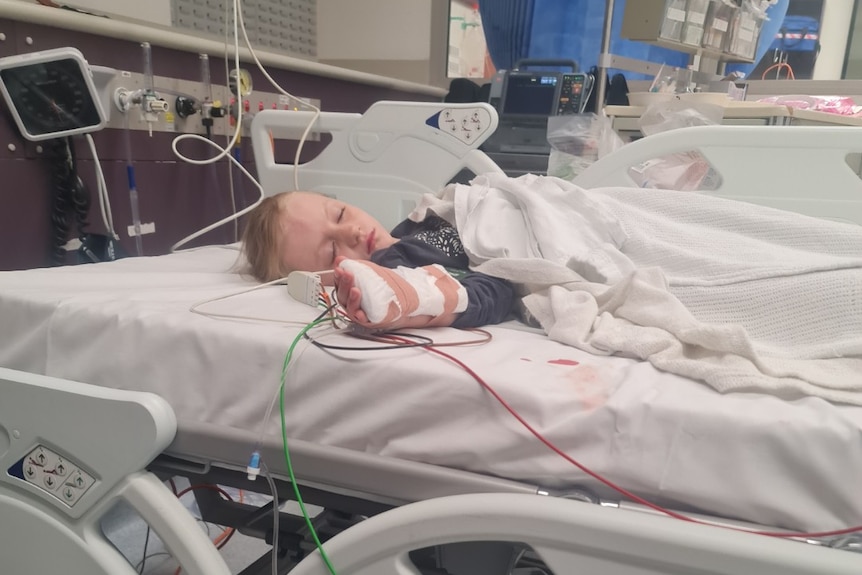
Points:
point(275, 516)
point(230, 176)
point(225, 152)
point(195, 308)
point(227, 138)
point(102, 190)
point(275, 85)
point(231, 217)
point(264, 424)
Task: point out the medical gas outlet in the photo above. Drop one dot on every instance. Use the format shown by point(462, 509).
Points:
point(149, 101)
point(54, 475)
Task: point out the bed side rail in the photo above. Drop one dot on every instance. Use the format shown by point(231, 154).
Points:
point(570, 537)
point(798, 168)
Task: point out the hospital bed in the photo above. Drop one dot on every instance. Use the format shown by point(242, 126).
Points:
point(409, 439)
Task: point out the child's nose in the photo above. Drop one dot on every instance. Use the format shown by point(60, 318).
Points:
point(350, 234)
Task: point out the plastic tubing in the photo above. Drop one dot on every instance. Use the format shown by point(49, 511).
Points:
point(133, 190)
point(205, 77)
point(149, 83)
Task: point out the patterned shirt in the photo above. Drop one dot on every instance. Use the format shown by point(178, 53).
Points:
point(435, 241)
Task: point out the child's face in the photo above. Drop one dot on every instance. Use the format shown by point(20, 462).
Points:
point(316, 229)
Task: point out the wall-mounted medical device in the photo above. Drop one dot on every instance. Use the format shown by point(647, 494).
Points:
point(53, 93)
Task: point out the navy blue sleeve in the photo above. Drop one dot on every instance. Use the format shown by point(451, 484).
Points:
point(489, 299)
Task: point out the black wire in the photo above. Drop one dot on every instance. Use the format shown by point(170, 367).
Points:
point(146, 544)
point(325, 312)
point(423, 342)
point(80, 193)
point(59, 149)
point(70, 194)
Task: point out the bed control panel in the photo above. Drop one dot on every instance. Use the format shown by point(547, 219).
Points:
point(387, 127)
point(53, 474)
point(466, 125)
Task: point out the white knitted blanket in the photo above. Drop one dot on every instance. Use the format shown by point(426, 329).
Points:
point(743, 297)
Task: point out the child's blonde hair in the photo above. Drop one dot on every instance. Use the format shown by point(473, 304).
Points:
point(261, 239)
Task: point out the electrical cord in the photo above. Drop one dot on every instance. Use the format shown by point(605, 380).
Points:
point(80, 194)
point(196, 307)
point(286, 450)
point(614, 486)
point(283, 92)
point(102, 187)
point(61, 174)
point(225, 152)
point(222, 539)
point(322, 318)
point(778, 67)
point(275, 516)
point(146, 544)
point(70, 194)
point(420, 341)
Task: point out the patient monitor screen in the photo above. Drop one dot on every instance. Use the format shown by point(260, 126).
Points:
point(530, 94)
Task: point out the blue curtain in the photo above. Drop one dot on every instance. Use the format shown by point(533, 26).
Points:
point(508, 26)
point(570, 29)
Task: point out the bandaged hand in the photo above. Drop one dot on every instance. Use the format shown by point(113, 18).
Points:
point(382, 298)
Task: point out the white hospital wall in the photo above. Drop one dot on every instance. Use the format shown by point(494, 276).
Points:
point(154, 11)
point(834, 32)
point(403, 39)
point(378, 30)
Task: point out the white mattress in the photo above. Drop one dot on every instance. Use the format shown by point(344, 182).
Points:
point(127, 324)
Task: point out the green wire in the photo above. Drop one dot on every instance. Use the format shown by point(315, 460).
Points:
point(308, 523)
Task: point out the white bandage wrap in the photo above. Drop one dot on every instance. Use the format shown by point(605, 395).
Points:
point(377, 295)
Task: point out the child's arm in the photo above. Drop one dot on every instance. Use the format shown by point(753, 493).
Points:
point(382, 298)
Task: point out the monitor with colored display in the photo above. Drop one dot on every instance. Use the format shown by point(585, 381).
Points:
point(531, 93)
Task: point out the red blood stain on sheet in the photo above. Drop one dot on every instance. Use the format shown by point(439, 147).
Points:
point(563, 362)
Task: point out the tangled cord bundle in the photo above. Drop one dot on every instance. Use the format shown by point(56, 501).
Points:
point(71, 198)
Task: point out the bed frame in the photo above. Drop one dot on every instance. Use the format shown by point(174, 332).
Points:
point(525, 528)
point(503, 528)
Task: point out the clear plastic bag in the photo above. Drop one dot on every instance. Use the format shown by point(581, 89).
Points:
point(577, 141)
point(684, 171)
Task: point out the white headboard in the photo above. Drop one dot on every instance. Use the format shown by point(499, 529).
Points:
point(382, 160)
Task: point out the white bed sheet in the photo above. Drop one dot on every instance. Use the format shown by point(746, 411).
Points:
point(127, 324)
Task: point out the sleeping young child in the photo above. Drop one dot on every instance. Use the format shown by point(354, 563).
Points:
point(417, 275)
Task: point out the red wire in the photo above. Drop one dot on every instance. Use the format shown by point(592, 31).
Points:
point(223, 537)
point(608, 482)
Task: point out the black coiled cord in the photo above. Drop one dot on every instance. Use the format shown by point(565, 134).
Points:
point(70, 195)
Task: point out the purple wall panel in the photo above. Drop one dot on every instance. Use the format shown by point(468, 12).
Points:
point(25, 211)
point(179, 198)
